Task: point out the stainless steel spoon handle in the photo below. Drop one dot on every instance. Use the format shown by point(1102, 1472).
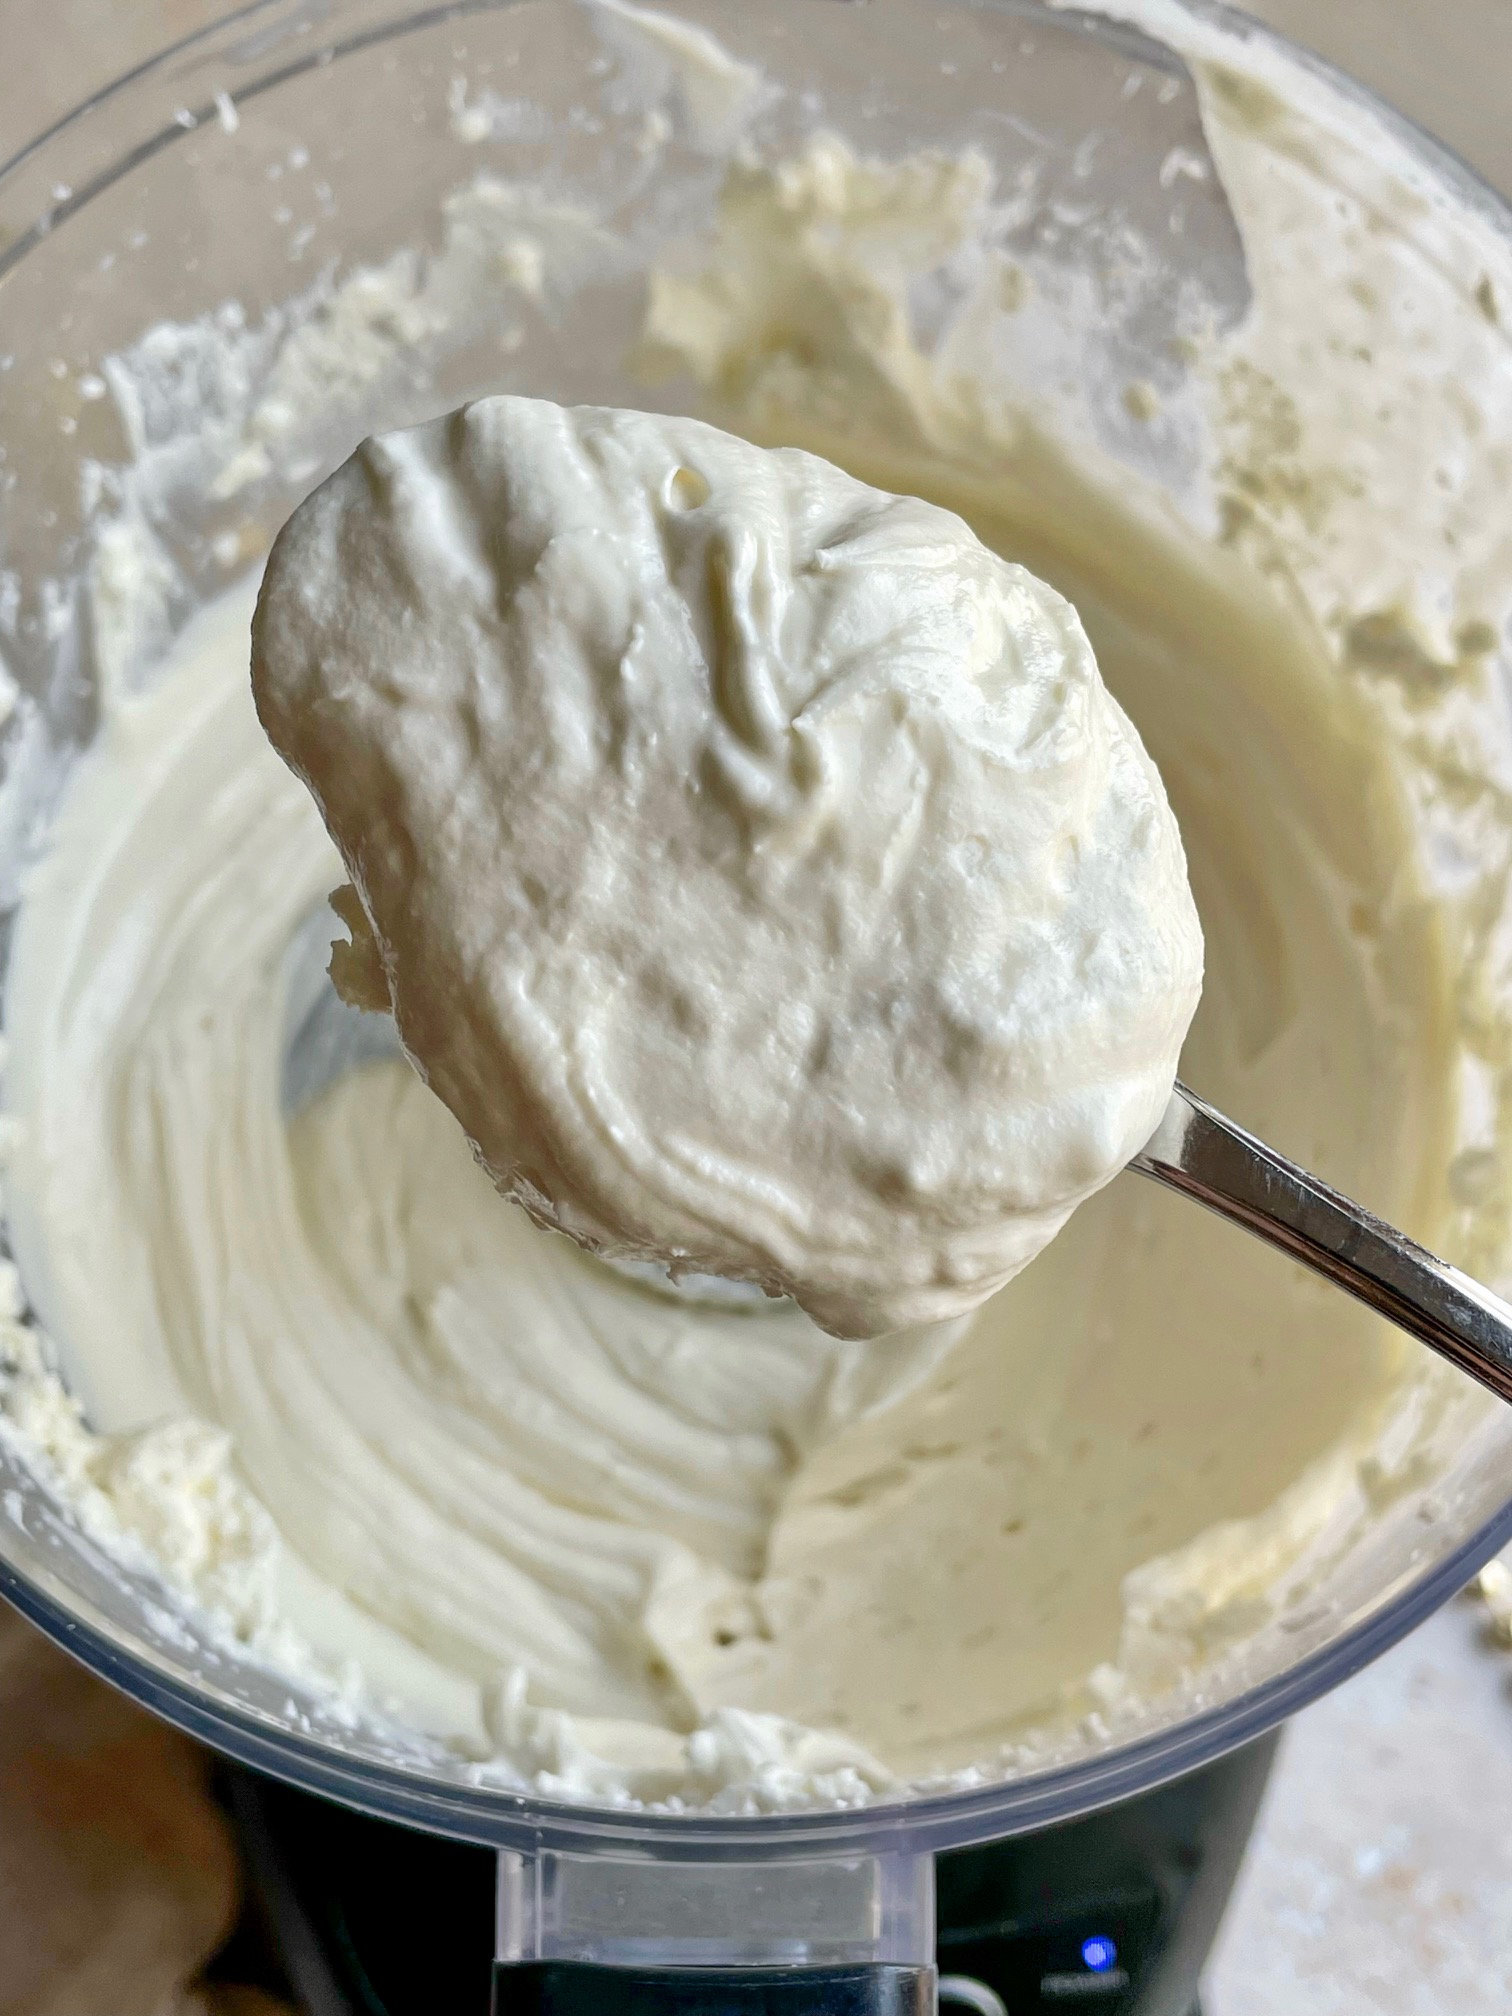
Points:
point(1198, 1152)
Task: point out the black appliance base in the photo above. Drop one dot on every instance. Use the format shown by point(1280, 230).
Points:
point(1111, 1915)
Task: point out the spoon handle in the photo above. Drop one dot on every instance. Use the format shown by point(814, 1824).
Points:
point(1195, 1150)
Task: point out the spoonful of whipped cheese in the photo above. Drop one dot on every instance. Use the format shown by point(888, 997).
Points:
point(753, 862)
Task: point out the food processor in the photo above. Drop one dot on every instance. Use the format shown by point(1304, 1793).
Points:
point(232, 183)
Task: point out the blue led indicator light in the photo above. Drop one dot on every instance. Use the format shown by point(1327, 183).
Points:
point(1099, 1954)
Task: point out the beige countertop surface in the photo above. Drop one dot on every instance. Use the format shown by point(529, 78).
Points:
point(1379, 1882)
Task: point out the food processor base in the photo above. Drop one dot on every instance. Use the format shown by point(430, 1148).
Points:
point(1114, 1913)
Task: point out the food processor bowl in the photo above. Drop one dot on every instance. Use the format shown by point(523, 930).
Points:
point(265, 161)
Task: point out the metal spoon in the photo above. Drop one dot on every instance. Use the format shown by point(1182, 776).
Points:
point(1200, 1153)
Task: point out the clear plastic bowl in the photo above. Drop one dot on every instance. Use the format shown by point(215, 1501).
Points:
point(296, 139)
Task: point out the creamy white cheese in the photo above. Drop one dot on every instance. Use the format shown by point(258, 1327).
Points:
point(623, 1549)
point(757, 865)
